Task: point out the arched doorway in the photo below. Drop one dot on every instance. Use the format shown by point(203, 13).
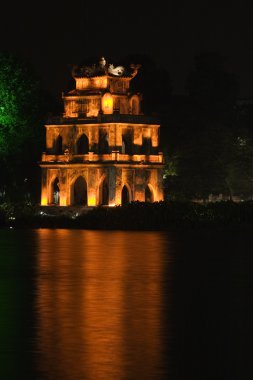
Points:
point(125, 196)
point(58, 145)
point(80, 192)
point(104, 193)
point(55, 192)
point(82, 145)
point(149, 195)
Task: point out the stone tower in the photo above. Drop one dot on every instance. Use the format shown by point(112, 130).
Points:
point(102, 150)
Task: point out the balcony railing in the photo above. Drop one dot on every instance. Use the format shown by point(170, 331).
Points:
point(114, 118)
point(91, 157)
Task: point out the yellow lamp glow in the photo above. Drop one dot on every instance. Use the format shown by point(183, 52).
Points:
point(92, 200)
point(107, 103)
point(44, 201)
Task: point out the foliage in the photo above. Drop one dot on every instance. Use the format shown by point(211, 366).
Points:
point(134, 216)
point(208, 139)
point(23, 109)
point(17, 111)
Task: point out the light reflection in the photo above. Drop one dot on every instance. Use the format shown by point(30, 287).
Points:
point(99, 300)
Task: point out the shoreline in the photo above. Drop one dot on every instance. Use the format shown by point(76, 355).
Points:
point(135, 216)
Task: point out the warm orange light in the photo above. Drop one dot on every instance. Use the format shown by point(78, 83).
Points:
point(92, 314)
point(63, 201)
point(93, 110)
point(107, 103)
point(118, 200)
point(100, 82)
point(85, 83)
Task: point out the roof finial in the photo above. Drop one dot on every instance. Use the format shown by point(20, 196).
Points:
point(102, 62)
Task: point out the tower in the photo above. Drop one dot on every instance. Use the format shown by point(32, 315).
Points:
point(102, 150)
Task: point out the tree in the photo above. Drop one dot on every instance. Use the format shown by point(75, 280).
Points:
point(23, 109)
point(202, 130)
point(240, 174)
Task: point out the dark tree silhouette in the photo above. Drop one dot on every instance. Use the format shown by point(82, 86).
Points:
point(24, 106)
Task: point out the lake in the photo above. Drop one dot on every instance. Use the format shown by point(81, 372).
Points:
point(122, 305)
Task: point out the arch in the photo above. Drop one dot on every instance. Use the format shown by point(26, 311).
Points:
point(82, 144)
point(103, 142)
point(107, 103)
point(149, 194)
point(146, 145)
point(104, 192)
point(79, 191)
point(127, 143)
point(135, 105)
point(125, 195)
point(58, 145)
point(55, 191)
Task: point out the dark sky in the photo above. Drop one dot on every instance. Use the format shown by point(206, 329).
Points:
point(54, 35)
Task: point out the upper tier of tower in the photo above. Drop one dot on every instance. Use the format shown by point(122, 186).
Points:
point(102, 89)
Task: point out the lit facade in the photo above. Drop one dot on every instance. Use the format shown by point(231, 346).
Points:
point(102, 150)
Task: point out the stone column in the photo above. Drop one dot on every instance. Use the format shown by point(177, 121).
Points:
point(118, 186)
point(112, 185)
point(92, 186)
point(44, 188)
point(139, 188)
point(63, 189)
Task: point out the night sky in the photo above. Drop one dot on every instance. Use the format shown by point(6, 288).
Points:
point(53, 36)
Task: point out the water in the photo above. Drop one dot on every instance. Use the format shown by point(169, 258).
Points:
point(116, 305)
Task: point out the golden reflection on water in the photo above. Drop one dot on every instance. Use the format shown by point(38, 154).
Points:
point(99, 304)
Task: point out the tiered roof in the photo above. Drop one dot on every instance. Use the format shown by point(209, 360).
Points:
point(104, 68)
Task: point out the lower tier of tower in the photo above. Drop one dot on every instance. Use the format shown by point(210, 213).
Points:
point(94, 185)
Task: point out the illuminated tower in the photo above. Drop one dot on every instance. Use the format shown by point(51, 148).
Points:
point(102, 150)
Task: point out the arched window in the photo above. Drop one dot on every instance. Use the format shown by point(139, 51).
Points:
point(123, 149)
point(82, 145)
point(149, 196)
point(55, 192)
point(107, 103)
point(135, 105)
point(58, 145)
point(104, 193)
point(79, 192)
point(125, 196)
point(103, 142)
point(127, 143)
point(146, 145)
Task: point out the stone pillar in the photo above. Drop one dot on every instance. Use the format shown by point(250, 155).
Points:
point(139, 188)
point(92, 187)
point(112, 136)
point(118, 136)
point(154, 137)
point(137, 136)
point(63, 189)
point(112, 185)
point(68, 188)
point(44, 190)
point(160, 191)
point(118, 186)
